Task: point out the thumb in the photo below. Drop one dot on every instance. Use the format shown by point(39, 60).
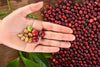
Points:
point(30, 8)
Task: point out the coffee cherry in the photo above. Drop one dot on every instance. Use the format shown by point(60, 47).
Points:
point(23, 38)
point(26, 35)
point(35, 32)
point(41, 33)
point(91, 20)
point(80, 12)
point(30, 40)
point(29, 28)
point(30, 34)
point(26, 39)
point(35, 39)
point(59, 1)
point(20, 35)
point(26, 31)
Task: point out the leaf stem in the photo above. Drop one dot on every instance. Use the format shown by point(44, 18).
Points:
point(20, 53)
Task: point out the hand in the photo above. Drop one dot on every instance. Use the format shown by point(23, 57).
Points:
point(17, 21)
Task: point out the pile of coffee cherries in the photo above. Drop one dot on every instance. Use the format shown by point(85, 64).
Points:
point(84, 19)
point(31, 35)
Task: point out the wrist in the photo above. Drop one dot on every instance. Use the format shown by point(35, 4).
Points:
point(0, 33)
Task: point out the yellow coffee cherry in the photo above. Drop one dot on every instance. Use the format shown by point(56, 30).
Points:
point(23, 38)
point(26, 35)
point(25, 31)
point(30, 40)
point(26, 39)
point(20, 35)
point(30, 34)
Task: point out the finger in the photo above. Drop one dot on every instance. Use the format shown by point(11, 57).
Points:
point(37, 25)
point(57, 28)
point(30, 8)
point(29, 47)
point(55, 43)
point(59, 36)
point(34, 23)
point(46, 49)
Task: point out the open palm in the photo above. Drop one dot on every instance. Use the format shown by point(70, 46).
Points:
point(17, 21)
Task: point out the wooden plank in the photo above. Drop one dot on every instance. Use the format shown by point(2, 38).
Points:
point(6, 55)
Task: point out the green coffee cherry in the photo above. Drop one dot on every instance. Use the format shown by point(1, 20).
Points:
point(29, 28)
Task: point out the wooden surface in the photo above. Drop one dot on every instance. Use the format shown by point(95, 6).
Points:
point(7, 54)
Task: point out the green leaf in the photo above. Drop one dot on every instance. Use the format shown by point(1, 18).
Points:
point(3, 13)
point(29, 63)
point(27, 55)
point(47, 55)
point(31, 16)
point(1, 17)
point(40, 58)
point(13, 63)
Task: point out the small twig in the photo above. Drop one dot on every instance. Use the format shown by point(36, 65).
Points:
point(9, 8)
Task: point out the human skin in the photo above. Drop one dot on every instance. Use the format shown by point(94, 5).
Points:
point(17, 21)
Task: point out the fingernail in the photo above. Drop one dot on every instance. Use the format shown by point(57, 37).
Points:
point(68, 45)
point(73, 37)
point(57, 49)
